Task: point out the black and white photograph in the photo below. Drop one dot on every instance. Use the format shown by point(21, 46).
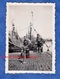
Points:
point(30, 38)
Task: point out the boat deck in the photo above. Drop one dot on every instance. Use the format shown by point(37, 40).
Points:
point(37, 61)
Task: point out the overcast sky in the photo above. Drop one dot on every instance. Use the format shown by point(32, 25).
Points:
point(42, 19)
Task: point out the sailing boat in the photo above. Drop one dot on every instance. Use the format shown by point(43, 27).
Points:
point(16, 43)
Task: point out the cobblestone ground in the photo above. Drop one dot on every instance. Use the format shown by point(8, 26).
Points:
point(43, 62)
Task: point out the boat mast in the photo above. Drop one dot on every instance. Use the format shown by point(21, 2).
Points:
point(31, 24)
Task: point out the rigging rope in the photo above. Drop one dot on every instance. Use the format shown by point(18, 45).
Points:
point(40, 36)
point(23, 28)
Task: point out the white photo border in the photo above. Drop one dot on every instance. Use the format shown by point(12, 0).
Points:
point(53, 53)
